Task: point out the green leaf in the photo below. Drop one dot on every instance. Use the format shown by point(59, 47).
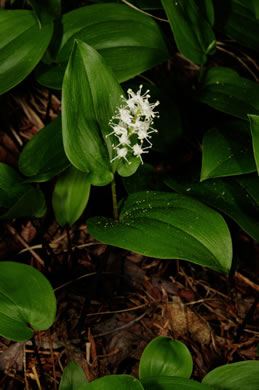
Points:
point(223, 89)
point(254, 127)
point(169, 226)
point(73, 376)
point(172, 383)
point(46, 11)
point(251, 184)
point(235, 197)
point(95, 94)
point(112, 382)
point(22, 45)
point(43, 156)
point(256, 8)
point(50, 76)
point(227, 151)
point(29, 203)
point(70, 196)
point(164, 356)
point(206, 8)
point(18, 199)
point(110, 29)
point(26, 297)
point(237, 20)
point(234, 376)
point(193, 34)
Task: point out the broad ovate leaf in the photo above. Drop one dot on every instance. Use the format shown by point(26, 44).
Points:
point(22, 45)
point(46, 10)
point(193, 34)
point(27, 301)
point(236, 197)
point(234, 376)
point(169, 226)
point(18, 199)
point(43, 156)
point(254, 127)
point(251, 184)
point(223, 89)
point(90, 85)
point(70, 195)
point(227, 151)
point(238, 20)
point(110, 29)
point(73, 376)
point(112, 382)
point(172, 383)
point(164, 356)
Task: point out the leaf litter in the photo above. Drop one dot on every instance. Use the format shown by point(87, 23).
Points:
point(107, 314)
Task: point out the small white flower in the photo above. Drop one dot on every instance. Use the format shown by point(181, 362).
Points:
point(121, 153)
point(125, 116)
point(138, 150)
point(144, 134)
point(124, 140)
point(117, 130)
point(132, 123)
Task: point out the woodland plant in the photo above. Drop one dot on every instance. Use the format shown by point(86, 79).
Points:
point(113, 64)
point(166, 364)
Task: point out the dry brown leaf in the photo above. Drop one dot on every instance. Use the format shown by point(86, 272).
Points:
point(184, 321)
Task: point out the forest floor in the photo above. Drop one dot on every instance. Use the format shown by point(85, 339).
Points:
point(111, 302)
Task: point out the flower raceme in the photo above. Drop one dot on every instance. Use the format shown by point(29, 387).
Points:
point(132, 125)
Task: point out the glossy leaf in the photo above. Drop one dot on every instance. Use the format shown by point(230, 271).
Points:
point(90, 85)
point(169, 226)
point(112, 382)
point(18, 199)
point(172, 383)
point(235, 197)
point(70, 196)
point(223, 89)
point(234, 376)
point(46, 11)
point(43, 156)
point(237, 20)
point(163, 357)
point(26, 297)
point(254, 127)
point(110, 29)
point(227, 151)
point(22, 45)
point(73, 376)
point(193, 34)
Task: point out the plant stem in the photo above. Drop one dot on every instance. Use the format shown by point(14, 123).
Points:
point(114, 200)
point(202, 69)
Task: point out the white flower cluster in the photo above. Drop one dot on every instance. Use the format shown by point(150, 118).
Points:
point(132, 125)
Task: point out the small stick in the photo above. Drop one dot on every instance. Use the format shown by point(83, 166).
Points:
point(25, 369)
point(36, 377)
point(143, 12)
point(53, 360)
point(247, 281)
point(121, 327)
point(24, 243)
point(39, 364)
